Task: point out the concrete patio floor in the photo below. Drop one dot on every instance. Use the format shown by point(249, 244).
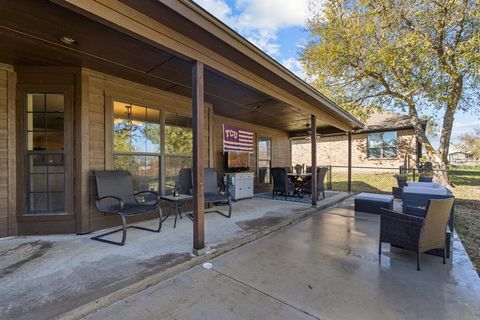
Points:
point(42, 277)
point(325, 267)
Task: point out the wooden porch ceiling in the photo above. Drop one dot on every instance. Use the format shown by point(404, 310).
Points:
point(30, 31)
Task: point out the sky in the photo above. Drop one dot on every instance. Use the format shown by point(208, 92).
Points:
point(278, 28)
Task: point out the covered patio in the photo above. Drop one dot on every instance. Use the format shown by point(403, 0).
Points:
point(146, 87)
point(71, 274)
point(308, 264)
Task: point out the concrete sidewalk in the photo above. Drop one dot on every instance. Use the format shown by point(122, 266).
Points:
point(69, 275)
point(325, 267)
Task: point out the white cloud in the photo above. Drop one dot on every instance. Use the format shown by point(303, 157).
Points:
point(295, 66)
point(469, 124)
point(218, 8)
point(260, 20)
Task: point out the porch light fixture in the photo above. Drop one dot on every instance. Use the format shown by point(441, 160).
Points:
point(68, 40)
point(127, 124)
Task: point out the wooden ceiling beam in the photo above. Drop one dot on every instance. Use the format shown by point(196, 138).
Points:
point(136, 24)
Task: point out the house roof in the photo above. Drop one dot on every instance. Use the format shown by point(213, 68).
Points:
point(387, 120)
point(453, 149)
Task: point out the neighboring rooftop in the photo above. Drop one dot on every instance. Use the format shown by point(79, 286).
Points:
point(387, 120)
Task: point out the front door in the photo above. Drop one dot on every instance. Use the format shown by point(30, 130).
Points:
point(45, 181)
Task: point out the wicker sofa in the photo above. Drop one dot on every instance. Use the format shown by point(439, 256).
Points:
point(417, 194)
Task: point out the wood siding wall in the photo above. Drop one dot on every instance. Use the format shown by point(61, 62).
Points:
point(7, 149)
point(101, 90)
point(280, 147)
point(94, 93)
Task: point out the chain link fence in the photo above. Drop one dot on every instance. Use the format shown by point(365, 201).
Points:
point(465, 182)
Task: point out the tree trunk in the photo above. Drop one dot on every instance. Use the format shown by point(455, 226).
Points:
point(440, 168)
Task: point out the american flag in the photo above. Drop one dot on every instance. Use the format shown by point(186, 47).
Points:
point(237, 139)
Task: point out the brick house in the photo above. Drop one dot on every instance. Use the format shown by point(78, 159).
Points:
point(387, 140)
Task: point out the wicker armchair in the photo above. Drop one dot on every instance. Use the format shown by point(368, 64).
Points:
point(116, 196)
point(416, 233)
point(307, 187)
point(281, 182)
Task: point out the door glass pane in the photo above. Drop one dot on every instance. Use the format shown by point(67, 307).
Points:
point(35, 121)
point(56, 164)
point(55, 122)
point(38, 163)
point(55, 141)
point(55, 103)
point(35, 103)
point(36, 140)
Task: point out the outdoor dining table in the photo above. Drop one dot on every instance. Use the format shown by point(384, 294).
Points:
point(299, 180)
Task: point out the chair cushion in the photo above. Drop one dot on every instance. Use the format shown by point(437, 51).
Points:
point(439, 191)
point(215, 197)
point(134, 209)
point(424, 184)
point(374, 197)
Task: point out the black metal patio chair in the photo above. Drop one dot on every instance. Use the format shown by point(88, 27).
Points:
point(212, 193)
point(115, 195)
point(281, 182)
point(307, 187)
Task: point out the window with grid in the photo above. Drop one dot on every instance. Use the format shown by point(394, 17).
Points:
point(45, 153)
point(382, 144)
point(264, 160)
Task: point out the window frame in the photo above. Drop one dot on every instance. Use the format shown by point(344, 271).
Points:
point(23, 153)
point(164, 144)
point(162, 155)
point(383, 146)
point(259, 159)
point(159, 154)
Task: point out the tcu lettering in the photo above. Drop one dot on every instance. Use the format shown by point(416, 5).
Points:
point(231, 133)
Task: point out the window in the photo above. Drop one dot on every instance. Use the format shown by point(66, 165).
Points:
point(178, 147)
point(264, 160)
point(382, 144)
point(45, 153)
point(136, 144)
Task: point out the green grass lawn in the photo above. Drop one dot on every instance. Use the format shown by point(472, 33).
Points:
point(467, 225)
point(466, 190)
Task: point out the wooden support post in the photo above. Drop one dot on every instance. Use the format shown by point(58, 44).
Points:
point(314, 160)
point(198, 158)
point(349, 161)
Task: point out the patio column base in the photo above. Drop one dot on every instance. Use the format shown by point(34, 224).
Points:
point(199, 252)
